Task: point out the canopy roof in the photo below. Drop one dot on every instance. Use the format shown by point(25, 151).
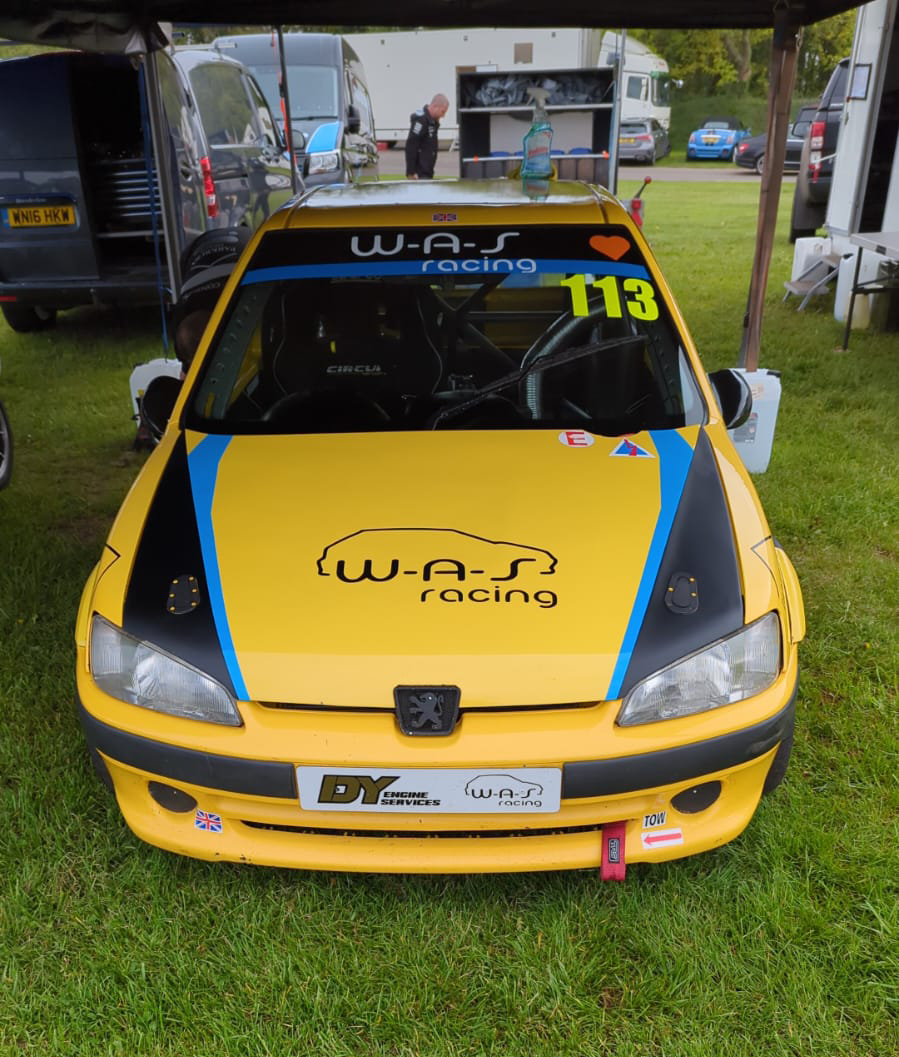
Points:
point(111, 24)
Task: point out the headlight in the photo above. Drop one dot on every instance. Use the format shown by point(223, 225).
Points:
point(692, 138)
point(140, 674)
point(733, 669)
point(731, 136)
point(324, 161)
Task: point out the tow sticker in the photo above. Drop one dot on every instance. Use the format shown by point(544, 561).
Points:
point(657, 818)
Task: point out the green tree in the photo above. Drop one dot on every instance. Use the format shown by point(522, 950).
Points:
point(823, 45)
point(713, 61)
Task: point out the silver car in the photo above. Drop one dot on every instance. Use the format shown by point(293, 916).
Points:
point(642, 141)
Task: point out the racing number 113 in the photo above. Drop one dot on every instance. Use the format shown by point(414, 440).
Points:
point(641, 304)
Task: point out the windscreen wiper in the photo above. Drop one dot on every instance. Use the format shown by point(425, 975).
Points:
point(536, 366)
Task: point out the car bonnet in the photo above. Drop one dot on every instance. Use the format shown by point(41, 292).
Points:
point(525, 567)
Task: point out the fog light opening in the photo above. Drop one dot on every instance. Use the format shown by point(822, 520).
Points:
point(698, 798)
point(170, 798)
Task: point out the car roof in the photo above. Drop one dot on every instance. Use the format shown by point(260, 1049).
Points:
point(262, 48)
point(190, 58)
point(535, 201)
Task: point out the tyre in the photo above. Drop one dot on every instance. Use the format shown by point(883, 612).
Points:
point(651, 160)
point(26, 318)
point(780, 762)
point(219, 246)
point(760, 164)
point(5, 448)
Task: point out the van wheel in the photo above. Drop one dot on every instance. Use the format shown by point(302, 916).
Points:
point(5, 448)
point(25, 318)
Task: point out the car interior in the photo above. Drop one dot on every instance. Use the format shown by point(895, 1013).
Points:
point(409, 353)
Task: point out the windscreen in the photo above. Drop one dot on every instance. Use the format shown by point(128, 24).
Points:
point(436, 328)
point(313, 90)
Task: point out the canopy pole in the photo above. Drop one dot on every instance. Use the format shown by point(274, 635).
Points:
point(288, 127)
point(616, 113)
point(162, 152)
point(784, 53)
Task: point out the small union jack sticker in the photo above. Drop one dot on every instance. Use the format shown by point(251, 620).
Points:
point(206, 820)
point(443, 218)
point(627, 447)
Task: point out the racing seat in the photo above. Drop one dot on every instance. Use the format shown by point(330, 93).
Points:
point(347, 352)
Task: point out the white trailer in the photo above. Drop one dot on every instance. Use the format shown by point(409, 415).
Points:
point(645, 80)
point(406, 68)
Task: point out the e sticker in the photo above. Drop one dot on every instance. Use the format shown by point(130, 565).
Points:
point(575, 438)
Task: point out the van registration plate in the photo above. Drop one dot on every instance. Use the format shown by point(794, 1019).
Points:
point(42, 216)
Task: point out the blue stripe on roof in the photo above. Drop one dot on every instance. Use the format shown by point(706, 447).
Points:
point(203, 463)
point(383, 268)
point(675, 456)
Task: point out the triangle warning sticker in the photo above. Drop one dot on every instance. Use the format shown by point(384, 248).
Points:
point(627, 447)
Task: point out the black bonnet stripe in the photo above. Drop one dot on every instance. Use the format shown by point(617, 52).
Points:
point(170, 548)
point(701, 547)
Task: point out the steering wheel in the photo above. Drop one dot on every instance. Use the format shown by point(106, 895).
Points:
point(564, 332)
point(327, 411)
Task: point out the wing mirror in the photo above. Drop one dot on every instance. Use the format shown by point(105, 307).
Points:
point(734, 396)
point(158, 402)
point(353, 120)
point(297, 140)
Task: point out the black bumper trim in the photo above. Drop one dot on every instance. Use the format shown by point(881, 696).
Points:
point(588, 778)
point(629, 774)
point(227, 773)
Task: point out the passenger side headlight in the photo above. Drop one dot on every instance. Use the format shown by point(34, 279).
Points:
point(140, 674)
point(324, 161)
point(728, 671)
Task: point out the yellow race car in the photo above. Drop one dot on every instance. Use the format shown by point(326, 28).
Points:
point(445, 561)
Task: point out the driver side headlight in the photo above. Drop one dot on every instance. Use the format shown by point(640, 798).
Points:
point(324, 161)
point(730, 670)
point(140, 674)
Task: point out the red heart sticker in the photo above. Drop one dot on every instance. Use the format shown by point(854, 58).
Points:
point(614, 246)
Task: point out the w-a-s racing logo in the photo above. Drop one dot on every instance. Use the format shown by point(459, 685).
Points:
point(445, 565)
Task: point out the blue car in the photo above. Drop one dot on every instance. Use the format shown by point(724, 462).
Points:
point(718, 138)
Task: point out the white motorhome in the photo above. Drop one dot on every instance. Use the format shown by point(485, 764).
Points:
point(406, 68)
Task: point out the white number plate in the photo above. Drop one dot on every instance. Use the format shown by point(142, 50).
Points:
point(416, 791)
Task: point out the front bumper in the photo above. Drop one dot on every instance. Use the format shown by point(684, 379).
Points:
point(714, 151)
point(254, 800)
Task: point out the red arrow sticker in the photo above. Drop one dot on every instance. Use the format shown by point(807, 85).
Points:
point(658, 838)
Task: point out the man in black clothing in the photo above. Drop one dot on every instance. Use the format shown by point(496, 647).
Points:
point(421, 143)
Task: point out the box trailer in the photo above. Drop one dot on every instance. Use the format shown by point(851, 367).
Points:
point(408, 67)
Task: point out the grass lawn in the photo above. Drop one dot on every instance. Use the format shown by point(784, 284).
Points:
point(784, 942)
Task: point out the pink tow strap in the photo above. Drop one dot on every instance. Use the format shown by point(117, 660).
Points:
point(613, 862)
